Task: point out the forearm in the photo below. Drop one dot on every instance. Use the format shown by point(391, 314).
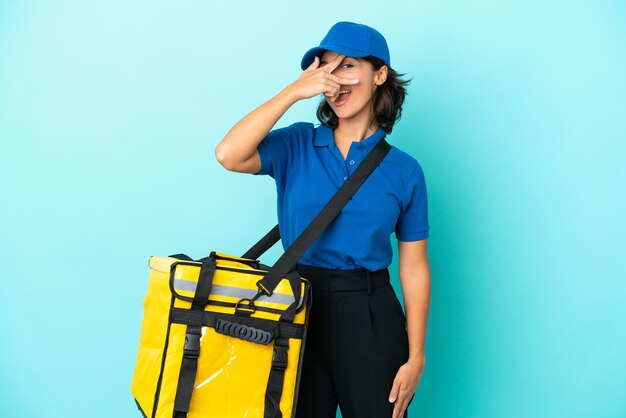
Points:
point(416, 294)
point(242, 140)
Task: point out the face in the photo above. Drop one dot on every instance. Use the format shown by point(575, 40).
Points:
point(359, 100)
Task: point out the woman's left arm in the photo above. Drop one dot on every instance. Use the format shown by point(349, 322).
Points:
point(414, 274)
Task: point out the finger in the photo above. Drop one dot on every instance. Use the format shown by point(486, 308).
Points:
point(314, 64)
point(333, 96)
point(405, 405)
point(343, 80)
point(330, 67)
point(332, 89)
point(398, 409)
point(393, 395)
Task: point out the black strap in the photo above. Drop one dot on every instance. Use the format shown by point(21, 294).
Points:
point(291, 256)
point(264, 244)
point(276, 378)
point(191, 352)
point(182, 257)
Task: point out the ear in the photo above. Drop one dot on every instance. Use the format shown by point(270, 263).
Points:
point(381, 75)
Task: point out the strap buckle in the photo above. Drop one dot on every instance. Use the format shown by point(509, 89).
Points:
point(262, 289)
point(192, 345)
point(279, 358)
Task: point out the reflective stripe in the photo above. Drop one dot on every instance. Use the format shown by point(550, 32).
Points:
point(236, 292)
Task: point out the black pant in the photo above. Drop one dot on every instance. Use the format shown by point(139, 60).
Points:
point(356, 342)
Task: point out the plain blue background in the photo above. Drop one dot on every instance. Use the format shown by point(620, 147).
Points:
point(109, 115)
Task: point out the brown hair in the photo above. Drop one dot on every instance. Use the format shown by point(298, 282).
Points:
point(388, 99)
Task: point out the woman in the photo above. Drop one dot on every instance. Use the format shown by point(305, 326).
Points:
point(362, 353)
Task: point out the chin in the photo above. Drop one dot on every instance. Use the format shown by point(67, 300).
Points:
point(342, 114)
point(346, 113)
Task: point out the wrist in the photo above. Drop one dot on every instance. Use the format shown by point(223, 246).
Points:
point(417, 359)
point(290, 94)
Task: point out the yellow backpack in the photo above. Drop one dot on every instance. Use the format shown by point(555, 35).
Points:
point(224, 356)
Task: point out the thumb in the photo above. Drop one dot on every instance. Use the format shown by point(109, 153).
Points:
point(393, 395)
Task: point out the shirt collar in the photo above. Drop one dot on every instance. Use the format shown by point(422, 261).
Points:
point(324, 137)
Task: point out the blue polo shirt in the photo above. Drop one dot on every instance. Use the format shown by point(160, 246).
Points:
point(309, 169)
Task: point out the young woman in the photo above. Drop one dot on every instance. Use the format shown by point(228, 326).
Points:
point(363, 352)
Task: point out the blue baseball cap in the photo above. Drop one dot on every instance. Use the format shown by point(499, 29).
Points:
point(350, 39)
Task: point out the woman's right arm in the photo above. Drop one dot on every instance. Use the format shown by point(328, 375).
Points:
point(238, 150)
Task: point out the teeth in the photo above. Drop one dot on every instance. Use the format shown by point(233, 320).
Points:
point(344, 91)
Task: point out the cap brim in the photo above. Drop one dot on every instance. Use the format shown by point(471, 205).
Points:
point(310, 55)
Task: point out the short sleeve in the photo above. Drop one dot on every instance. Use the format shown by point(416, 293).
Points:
point(275, 152)
point(412, 224)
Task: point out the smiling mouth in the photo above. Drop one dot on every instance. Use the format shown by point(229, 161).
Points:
point(343, 96)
